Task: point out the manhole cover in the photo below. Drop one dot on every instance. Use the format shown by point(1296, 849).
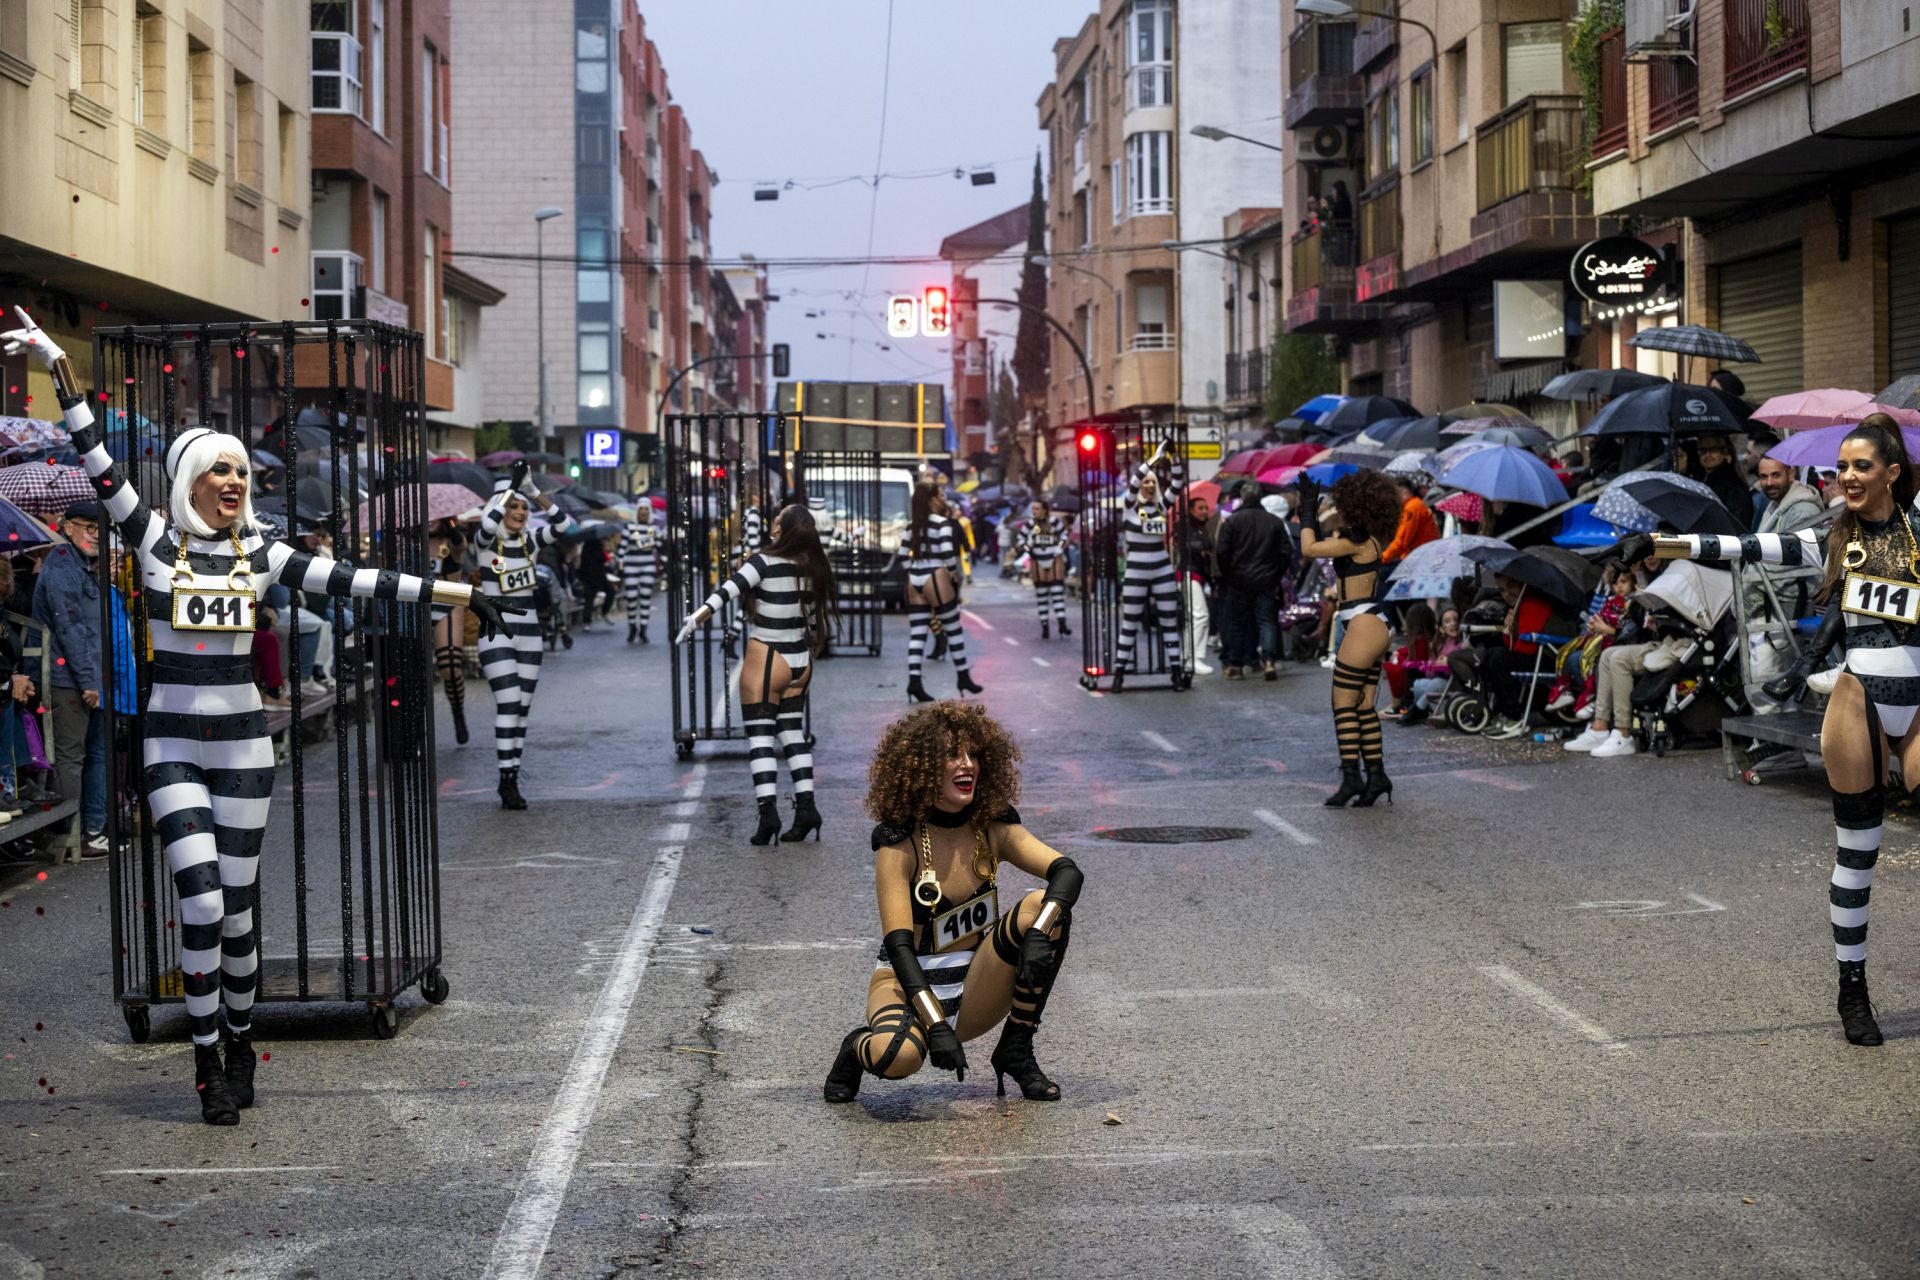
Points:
point(1171, 835)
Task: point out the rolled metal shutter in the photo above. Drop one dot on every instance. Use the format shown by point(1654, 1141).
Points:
point(1760, 303)
point(1903, 297)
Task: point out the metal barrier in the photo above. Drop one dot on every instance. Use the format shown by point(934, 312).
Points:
point(842, 488)
point(1107, 453)
point(356, 890)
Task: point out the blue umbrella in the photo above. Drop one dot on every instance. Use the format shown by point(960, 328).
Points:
point(20, 531)
point(1318, 408)
point(1431, 567)
point(1328, 472)
point(1505, 474)
point(1617, 507)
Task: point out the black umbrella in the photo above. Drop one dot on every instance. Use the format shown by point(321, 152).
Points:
point(596, 497)
point(319, 420)
point(1902, 393)
point(1361, 412)
point(1415, 433)
point(577, 507)
point(469, 475)
point(1671, 409)
point(1559, 572)
point(1695, 340)
point(1598, 384)
point(1680, 505)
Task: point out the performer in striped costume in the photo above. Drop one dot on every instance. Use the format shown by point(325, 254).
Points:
point(639, 553)
point(1872, 564)
point(933, 564)
point(1148, 580)
point(752, 538)
point(207, 758)
point(952, 965)
point(1044, 543)
point(507, 549)
point(447, 559)
point(787, 590)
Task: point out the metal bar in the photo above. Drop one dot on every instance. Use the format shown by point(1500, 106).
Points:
point(290, 443)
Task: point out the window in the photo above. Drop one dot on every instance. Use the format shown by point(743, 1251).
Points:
point(291, 177)
point(593, 284)
point(199, 101)
point(1150, 173)
point(1383, 135)
point(377, 66)
point(596, 347)
point(1149, 317)
point(590, 57)
point(1083, 220)
point(243, 132)
point(430, 110)
point(378, 242)
point(75, 20)
point(336, 279)
point(430, 288)
point(149, 69)
point(1457, 72)
point(1117, 180)
point(1422, 91)
point(335, 54)
point(1150, 54)
point(1534, 59)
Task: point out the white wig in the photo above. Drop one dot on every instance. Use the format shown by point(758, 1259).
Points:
point(190, 456)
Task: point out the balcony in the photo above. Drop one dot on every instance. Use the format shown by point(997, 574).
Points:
point(1320, 68)
point(696, 242)
point(1612, 133)
point(1151, 340)
point(1246, 375)
point(1323, 298)
point(1765, 40)
point(335, 84)
point(1150, 85)
point(336, 278)
point(1673, 93)
point(1379, 37)
point(696, 312)
point(1534, 145)
point(1145, 376)
point(653, 163)
point(1378, 272)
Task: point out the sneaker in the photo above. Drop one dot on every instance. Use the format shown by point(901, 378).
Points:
point(1269, 672)
point(1327, 662)
point(314, 689)
point(1233, 673)
point(1587, 740)
point(1667, 654)
point(1617, 744)
point(1584, 713)
point(95, 846)
point(1504, 729)
point(1202, 666)
point(1822, 682)
point(1561, 701)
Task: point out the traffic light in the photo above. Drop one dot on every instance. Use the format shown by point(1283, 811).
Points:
point(782, 360)
point(937, 312)
point(903, 316)
point(1089, 441)
point(1096, 449)
point(573, 469)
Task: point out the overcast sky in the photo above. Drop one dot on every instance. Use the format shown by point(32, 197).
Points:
point(791, 89)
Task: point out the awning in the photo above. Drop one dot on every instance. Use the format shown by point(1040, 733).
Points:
point(1503, 386)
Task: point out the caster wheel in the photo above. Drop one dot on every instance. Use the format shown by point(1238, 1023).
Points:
point(1470, 715)
point(567, 640)
point(139, 1022)
point(1659, 746)
point(684, 750)
point(433, 987)
point(384, 1024)
point(1751, 777)
point(1088, 682)
point(811, 742)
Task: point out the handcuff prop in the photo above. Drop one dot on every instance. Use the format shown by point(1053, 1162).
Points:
point(200, 608)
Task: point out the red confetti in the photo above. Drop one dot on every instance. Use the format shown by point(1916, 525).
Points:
point(266, 1057)
point(276, 248)
point(394, 703)
point(463, 1084)
point(49, 1088)
point(13, 537)
point(103, 304)
point(104, 397)
point(166, 368)
point(303, 302)
point(129, 381)
point(43, 1082)
point(40, 911)
point(239, 353)
point(59, 662)
point(392, 681)
point(39, 1026)
point(40, 875)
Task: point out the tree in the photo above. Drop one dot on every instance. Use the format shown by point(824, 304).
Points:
point(492, 437)
point(1005, 416)
point(1032, 345)
point(1302, 367)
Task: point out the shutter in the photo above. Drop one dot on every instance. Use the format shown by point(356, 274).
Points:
point(1903, 297)
point(1534, 60)
point(1760, 303)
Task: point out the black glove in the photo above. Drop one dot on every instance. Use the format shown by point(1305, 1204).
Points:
point(1634, 548)
point(1036, 961)
point(1310, 505)
point(488, 613)
point(944, 1051)
point(1791, 683)
point(521, 470)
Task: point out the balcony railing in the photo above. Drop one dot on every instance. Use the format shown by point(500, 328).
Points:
point(1673, 92)
point(1534, 145)
point(1246, 375)
point(336, 73)
point(1150, 85)
point(1612, 134)
point(1322, 85)
point(1378, 37)
point(1766, 39)
point(1380, 224)
point(1151, 340)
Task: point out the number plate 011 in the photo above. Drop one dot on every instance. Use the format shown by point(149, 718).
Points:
point(1882, 598)
point(204, 609)
point(965, 920)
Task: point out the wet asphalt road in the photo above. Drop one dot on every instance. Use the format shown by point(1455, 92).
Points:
point(1541, 1017)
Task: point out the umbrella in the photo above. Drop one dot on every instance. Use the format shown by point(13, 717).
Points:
point(20, 531)
point(598, 497)
point(1417, 433)
point(1463, 506)
point(1695, 340)
point(1358, 455)
point(1242, 463)
point(1328, 472)
point(261, 458)
point(1522, 435)
point(1808, 410)
point(1618, 508)
point(1671, 409)
point(1821, 448)
point(1481, 409)
point(1289, 455)
point(568, 503)
point(1902, 393)
point(1598, 384)
point(595, 530)
point(444, 502)
point(1454, 452)
point(1431, 567)
point(1064, 498)
point(1377, 434)
point(44, 488)
point(1361, 412)
point(1474, 426)
point(1317, 408)
point(469, 475)
point(1204, 491)
point(1565, 575)
point(501, 458)
point(1685, 504)
point(1506, 474)
point(1413, 462)
point(316, 419)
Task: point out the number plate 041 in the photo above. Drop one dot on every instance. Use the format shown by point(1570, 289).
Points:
point(205, 609)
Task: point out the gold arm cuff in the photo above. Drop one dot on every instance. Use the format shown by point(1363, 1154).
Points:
point(1050, 913)
point(452, 593)
point(1666, 547)
point(931, 1014)
point(63, 380)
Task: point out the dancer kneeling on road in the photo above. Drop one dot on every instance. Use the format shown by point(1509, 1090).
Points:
point(208, 761)
point(952, 964)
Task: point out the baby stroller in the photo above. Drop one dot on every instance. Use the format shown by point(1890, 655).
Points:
point(1691, 606)
point(1483, 626)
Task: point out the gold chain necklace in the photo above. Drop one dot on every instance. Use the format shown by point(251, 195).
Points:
point(1856, 554)
point(926, 885)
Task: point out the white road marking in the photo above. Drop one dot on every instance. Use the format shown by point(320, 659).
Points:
point(1092, 693)
point(684, 809)
point(1284, 827)
point(977, 620)
point(1010, 640)
point(1278, 1245)
point(676, 833)
point(522, 1241)
point(1433, 1146)
point(1160, 742)
point(1041, 662)
point(697, 783)
point(1648, 906)
point(237, 1169)
point(671, 1164)
point(1706, 903)
point(1544, 1000)
point(1317, 988)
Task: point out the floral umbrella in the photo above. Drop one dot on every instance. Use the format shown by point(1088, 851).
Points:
point(1431, 567)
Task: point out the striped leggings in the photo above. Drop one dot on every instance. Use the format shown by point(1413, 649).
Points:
point(510, 661)
point(1153, 588)
point(209, 798)
point(1051, 597)
point(775, 729)
point(1856, 822)
point(919, 622)
point(639, 595)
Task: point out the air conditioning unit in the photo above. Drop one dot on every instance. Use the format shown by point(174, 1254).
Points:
point(1325, 145)
point(1659, 29)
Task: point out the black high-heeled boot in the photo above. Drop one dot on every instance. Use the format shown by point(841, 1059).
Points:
point(210, 1079)
point(643, 634)
point(1378, 784)
point(916, 691)
point(633, 632)
point(1119, 681)
point(1856, 1009)
point(768, 831)
point(964, 682)
point(1045, 634)
point(806, 820)
point(1013, 1056)
point(843, 1082)
point(460, 725)
point(1350, 787)
point(240, 1063)
point(1064, 629)
point(510, 797)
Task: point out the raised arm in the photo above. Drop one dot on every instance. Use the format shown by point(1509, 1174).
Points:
point(304, 572)
point(743, 580)
point(1790, 550)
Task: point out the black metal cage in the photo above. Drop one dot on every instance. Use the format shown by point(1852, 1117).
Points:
point(347, 899)
point(842, 489)
point(1107, 453)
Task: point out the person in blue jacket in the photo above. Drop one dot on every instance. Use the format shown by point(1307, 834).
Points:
point(66, 600)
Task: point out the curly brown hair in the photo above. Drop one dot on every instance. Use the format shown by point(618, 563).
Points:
point(903, 780)
point(1369, 504)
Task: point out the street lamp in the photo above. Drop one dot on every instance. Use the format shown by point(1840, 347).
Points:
point(1211, 134)
point(540, 217)
point(1119, 324)
point(1341, 9)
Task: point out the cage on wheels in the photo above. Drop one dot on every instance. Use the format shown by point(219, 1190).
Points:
point(842, 489)
point(346, 901)
point(1142, 600)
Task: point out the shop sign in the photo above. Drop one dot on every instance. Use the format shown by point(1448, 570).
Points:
point(1618, 269)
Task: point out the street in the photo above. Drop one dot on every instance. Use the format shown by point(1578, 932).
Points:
point(1542, 1017)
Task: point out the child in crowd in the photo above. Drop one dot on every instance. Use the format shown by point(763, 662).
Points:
point(1430, 677)
point(1574, 688)
point(1419, 625)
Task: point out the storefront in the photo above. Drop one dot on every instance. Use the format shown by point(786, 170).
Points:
point(1759, 300)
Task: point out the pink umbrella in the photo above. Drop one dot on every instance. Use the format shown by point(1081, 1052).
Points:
point(444, 502)
point(1466, 506)
point(1280, 477)
point(1810, 410)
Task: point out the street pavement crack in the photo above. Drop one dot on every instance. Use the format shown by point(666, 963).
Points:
point(691, 1142)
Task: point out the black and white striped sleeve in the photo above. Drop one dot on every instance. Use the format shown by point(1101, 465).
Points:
point(303, 572)
point(742, 583)
point(1791, 550)
point(137, 523)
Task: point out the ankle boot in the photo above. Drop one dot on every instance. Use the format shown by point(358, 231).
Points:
point(1378, 784)
point(806, 820)
point(633, 632)
point(768, 832)
point(843, 1082)
point(917, 692)
point(510, 797)
point(965, 683)
point(1064, 629)
point(1045, 634)
point(1013, 1056)
point(240, 1063)
point(1350, 787)
point(1856, 1009)
point(1119, 681)
point(460, 726)
point(210, 1079)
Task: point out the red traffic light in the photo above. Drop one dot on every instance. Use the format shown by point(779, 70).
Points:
point(1089, 441)
point(934, 304)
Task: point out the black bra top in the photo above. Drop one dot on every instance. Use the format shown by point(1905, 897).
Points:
point(885, 833)
point(1348, 567)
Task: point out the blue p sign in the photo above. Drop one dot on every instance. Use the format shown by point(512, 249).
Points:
point(603, 448)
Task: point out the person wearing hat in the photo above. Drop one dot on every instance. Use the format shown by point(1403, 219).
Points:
point(207, 758)
point(1251, 558)
point(66, 601)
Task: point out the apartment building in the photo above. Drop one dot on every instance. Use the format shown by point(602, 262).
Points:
point(1254, 270)
point(985, 263)
point(156, 169)
point(1436, 183)
point(752, 389)
point(1769, 149)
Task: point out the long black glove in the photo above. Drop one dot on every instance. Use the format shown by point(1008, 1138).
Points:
point(944, 1051)
point(943, 1046)
point(518, 477)
point(1038, 953)
point(1791, 683)
point(1310, 505)
point(487, 612)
